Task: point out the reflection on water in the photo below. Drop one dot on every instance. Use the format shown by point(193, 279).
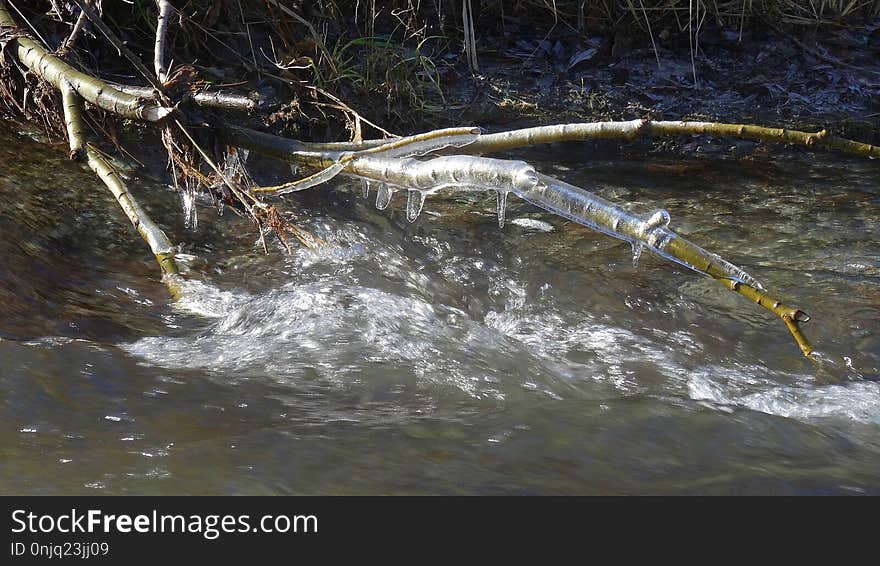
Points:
point(447, 356)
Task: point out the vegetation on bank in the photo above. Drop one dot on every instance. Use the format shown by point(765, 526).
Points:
point(413, 62)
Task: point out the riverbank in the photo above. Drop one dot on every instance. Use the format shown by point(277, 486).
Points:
point(407, 69)
point(767, 76)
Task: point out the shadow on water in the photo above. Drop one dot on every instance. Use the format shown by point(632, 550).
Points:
point(448, 356)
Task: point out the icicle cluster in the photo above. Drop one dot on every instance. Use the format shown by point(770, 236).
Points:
point(394, 166)
point(459, 172)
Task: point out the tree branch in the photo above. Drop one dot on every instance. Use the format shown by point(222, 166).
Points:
point(149, 231)
point(58, 73)
point(161, 32)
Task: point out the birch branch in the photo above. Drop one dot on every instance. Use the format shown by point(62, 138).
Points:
point(636, 129)
point(120, 47)
point(159, 243)
point(161, 32)
point(95, 91)
point(216, 99)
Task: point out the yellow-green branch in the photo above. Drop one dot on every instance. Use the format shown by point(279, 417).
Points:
point(159, 243)
point(635, 129)
point(792, 317)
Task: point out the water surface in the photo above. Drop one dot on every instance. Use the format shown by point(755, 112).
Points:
point(447, 356)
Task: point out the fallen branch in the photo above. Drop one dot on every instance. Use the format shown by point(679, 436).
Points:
point(216, 99)
point(95, 91)
point(636, 129)
point(159, 243)
point(120, 47)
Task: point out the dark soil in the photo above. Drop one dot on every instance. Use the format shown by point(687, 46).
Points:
point(532, 69)
point(792, 78)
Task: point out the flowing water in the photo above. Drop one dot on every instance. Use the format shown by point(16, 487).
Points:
point(445, 356)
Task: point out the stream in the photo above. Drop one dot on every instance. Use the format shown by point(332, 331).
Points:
point(447, 356)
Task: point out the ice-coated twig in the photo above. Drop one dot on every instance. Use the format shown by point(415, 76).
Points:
point(421, 144)
point(653, 233)
point(321, 176)
point(463, 172)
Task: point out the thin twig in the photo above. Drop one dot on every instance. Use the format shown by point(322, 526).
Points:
point(117, 43)
point(348, 108)
point(247, 28)
point(318, 40)
point(33, 29)
point(74, 33)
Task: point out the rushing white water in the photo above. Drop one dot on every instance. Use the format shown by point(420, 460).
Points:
point(751, 388)
point(358, 307)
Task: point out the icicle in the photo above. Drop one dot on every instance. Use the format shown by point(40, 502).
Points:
point(502, 206)
point(383, 196)
point(190, 214)
point(365, 188)
point(415, 200)
point(637, 253)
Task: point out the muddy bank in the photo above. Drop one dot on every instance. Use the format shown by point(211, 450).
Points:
point(768, 75)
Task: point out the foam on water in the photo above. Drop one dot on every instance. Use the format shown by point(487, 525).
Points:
point(335, 331)
point(802, 399)
point(364, 309)
point(203, 299)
